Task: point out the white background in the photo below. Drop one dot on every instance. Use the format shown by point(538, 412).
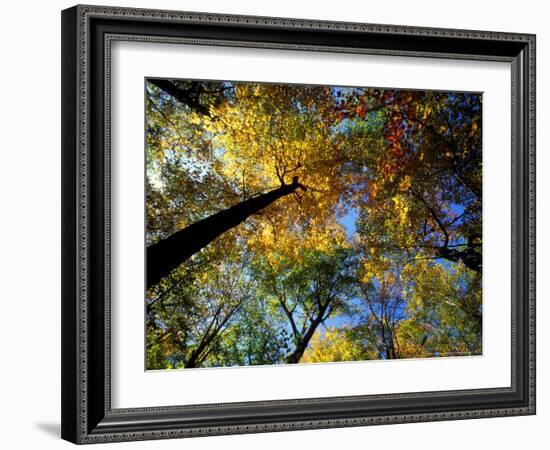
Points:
point(133, 387)
point(30, 225)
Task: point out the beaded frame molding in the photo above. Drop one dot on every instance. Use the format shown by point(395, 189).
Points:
point(87, 35)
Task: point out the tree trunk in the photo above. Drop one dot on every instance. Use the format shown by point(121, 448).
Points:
point(167, 254)
point(469, 257)
point(298, 352)
point(301, 347)
point(189, 97)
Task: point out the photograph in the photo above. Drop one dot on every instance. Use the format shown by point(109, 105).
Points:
point(301, 224)
point(281, 225)
point(289, 222)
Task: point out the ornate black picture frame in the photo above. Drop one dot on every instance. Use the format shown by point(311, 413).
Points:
point(87, 34)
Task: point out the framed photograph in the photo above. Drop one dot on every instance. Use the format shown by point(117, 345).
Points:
point(280, 224)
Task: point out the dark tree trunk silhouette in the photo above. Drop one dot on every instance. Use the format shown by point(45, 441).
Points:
point(167, 254)
point(298, 352)
point(304, 338)
point(470, 257)
point(195, 95)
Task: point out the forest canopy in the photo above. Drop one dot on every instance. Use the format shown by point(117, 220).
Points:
point(304, 223)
